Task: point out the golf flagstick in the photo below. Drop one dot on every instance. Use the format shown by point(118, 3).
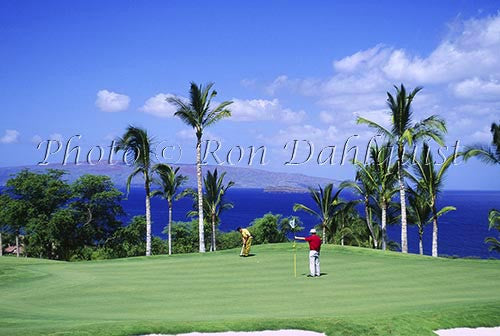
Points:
point(292, 225)
point(294, 259)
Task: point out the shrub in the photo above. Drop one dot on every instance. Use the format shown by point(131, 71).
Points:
point(159, 246)
point(272, 229)
point(185, 237)
point(228, 240)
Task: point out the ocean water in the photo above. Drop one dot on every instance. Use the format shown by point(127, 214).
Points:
point(461, 232)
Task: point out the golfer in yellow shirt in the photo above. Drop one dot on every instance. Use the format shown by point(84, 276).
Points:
point(246, 236)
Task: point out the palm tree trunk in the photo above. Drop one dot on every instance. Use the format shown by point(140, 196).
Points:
point(200, 197)
point(324, 233)
point(402, 196)
point(214, 247)
point(169, 227)
point(384, 226)
point(434, 231)
point(148, 216)
point(342, 230)
point(17, 245)
point(1, 245)
point(420, 245)
point(369, 222)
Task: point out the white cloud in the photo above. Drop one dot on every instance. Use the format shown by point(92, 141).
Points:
point(471, 50)
point(111, 136)
point(57, 137)
point(241, 109)
point(248, 83)
point(10, 136)
point(365, 59)
point(262, 109)
point(36, 139)
point(477, 89)
point(108, 101)
point(381, 117)
point(279, 82)
point(302, 132)
point(158, 106)
point(465, 65)
point(483, 135)
point(188, 134)
point(327, 118)
point(306, 87)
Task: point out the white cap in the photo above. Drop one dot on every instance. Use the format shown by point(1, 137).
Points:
point(312, 231)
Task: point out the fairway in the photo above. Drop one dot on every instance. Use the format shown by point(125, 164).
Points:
point(363, 292)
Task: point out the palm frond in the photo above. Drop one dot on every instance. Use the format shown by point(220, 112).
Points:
point(188, 192)
point(214, 195)
point(217, 113)
point(157, 192)
point(198, 113)
point(444, 210)
point(302, 207)
point(137, 141)
point(444, 167)
point(407, 136)
point(432, 127)
point(495, 244)
point(483, 153)
point(350, 185)
point(380, 129)
point(169, 179)
point(216, 117)
point(494, 219)
point(131, 176)
point(495, 131)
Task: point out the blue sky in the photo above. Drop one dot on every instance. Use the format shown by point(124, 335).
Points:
point(294, 70)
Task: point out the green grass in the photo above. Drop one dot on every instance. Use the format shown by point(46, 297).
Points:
point(364, 292)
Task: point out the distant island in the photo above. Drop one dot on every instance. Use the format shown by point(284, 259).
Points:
point(246, 178)
point(284, 189)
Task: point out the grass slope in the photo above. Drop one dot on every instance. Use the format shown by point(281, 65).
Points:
point(364, 292)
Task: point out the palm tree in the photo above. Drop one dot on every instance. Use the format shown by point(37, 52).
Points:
point(379, 178)
point(363, 187)
point(170, 181)
point(429, 181)
point(136, 142)
point(198, 114)
point(214, 200)
point(404, 132)
point(344, 215)
point(489, 155)
point(325, 202)
point(494, 219)
point(383, 175)
point(420, 214)
point(4, 201)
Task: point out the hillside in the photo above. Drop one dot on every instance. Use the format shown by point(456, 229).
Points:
point(361, 292)
point(243, 176)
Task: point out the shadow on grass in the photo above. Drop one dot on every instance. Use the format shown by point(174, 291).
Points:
point(320, 275)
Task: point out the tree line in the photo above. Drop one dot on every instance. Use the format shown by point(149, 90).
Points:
point(51, 218)
point(416, 178)
point(56, 216)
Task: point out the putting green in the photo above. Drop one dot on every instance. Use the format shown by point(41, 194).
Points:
point(363, 292)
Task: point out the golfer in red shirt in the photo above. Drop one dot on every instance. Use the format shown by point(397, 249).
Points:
point(314, 247)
